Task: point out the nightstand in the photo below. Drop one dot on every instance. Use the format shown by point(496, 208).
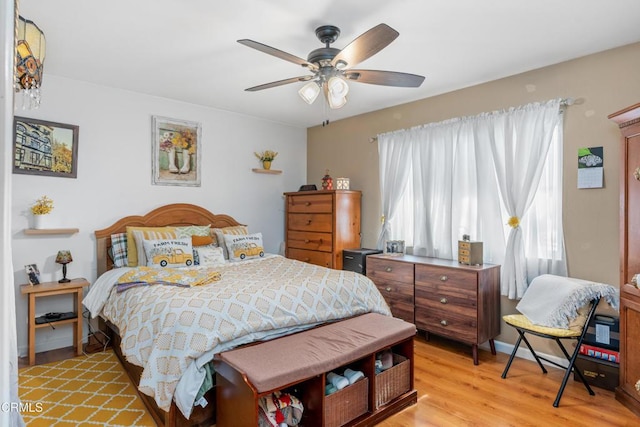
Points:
point(75, 286)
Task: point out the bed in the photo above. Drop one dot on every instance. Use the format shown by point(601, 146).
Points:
point(250, 300)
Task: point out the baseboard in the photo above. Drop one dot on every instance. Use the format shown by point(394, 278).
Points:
point(525, 353)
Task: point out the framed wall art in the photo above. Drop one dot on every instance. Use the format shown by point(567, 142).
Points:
point(175, 152)
point(45, 148)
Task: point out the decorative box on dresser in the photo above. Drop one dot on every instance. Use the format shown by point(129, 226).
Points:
point(320, 224)
point(457, 301)
point(628, 391)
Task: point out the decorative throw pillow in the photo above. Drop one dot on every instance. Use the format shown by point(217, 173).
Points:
point(119, 250)
point(202, 240)
point(169, 252)
point(209, 256)
point(134, 246)
point(233, 230)
point(193, 230)
point(244, 246)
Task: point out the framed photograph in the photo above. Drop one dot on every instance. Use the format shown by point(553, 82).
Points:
point(33, 274)
point(175, 152)
point(45, 148)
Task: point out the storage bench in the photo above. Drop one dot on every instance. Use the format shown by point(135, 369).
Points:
point(299, 363)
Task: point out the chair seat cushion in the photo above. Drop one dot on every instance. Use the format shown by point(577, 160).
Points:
point(521, 321)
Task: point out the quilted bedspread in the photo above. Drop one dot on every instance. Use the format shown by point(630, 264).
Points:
point(173, 331)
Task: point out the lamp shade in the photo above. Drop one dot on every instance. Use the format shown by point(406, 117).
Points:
point(30, 54)
point(63, 257)
point(309, 92)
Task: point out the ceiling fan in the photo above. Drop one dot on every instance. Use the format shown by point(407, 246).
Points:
point(331, 68)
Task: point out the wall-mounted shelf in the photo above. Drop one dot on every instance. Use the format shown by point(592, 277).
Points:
point(271, 171)
point(49, 231)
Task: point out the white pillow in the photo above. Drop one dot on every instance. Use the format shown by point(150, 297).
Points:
point(209, 256)
point(168, 252)
point(242, 247)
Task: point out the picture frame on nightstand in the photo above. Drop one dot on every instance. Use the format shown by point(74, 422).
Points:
point(33, 274)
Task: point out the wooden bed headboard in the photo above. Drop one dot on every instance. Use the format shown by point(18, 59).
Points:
point(177, 214)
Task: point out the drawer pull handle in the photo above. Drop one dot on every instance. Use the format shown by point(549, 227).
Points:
point(308, 204)
point(306, 240)
point(307, 260)
point(388, 269)
point(308, 222)
point(388, 289)
point(443, 300)
point(444, 278)
point(444, 323)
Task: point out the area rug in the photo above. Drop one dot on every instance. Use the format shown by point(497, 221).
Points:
point(89, 390)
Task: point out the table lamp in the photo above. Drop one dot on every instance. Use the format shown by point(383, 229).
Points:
point(64, 258)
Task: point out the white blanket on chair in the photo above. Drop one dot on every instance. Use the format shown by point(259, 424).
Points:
point(553, 301)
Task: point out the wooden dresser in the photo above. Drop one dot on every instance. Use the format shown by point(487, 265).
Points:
point(320, 224)
point(443, 297)
point(629, 122)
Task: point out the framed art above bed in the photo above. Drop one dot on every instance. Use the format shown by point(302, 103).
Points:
point(175, 152)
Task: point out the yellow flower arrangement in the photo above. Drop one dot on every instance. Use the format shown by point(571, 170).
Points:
point(266, 156)
point(185, 140)
point(43, 206)
point(514, 222)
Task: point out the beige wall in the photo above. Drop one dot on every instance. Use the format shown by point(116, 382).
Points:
point(602, 83)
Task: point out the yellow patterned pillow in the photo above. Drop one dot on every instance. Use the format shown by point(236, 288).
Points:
point(236, 230)
point(135, 249)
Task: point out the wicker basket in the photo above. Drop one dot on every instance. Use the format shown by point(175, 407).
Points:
point(394, 381)
point(346, 404)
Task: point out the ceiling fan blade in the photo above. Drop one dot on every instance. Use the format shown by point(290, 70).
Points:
point(365, 46)
point(384, 78)
point(279, 83)
point(277, 53)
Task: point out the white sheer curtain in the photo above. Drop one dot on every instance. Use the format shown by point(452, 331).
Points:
point(393, 150)
point(9, 412)
point(452, 189)
point(520, 144)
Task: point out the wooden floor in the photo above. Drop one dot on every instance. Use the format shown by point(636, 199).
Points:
point(454, 392)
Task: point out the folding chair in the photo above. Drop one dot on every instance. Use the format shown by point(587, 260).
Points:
point(524, 326)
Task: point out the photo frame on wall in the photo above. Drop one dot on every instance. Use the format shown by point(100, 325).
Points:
point(175, 152)
point(45, 148)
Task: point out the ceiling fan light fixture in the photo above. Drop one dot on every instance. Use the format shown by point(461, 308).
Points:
point(338, 87)
point(309, 92)
point(336, 101)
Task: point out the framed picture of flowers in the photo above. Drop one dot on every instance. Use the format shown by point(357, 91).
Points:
point(45, 148)
point(176, 152)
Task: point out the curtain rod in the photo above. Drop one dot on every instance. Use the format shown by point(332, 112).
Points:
point(564, 102)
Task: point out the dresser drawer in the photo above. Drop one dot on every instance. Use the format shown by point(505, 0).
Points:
point(447, 281)
point(399, 297)
point(310, 203)
point(380, 270)
point(310, 222)
point(323, 259)
point(308, 240)
point(452, 324)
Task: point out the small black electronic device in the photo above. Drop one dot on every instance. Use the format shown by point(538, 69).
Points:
point(356, 259)
point(308, 187)
point(54, 317)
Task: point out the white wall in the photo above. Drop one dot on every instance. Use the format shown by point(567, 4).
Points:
point(114, 180)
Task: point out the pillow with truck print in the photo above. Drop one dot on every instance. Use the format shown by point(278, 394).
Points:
point(169, 252)
point(241, 247)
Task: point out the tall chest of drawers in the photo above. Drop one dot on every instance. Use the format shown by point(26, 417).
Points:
point(320, 224)
point(460, 302)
